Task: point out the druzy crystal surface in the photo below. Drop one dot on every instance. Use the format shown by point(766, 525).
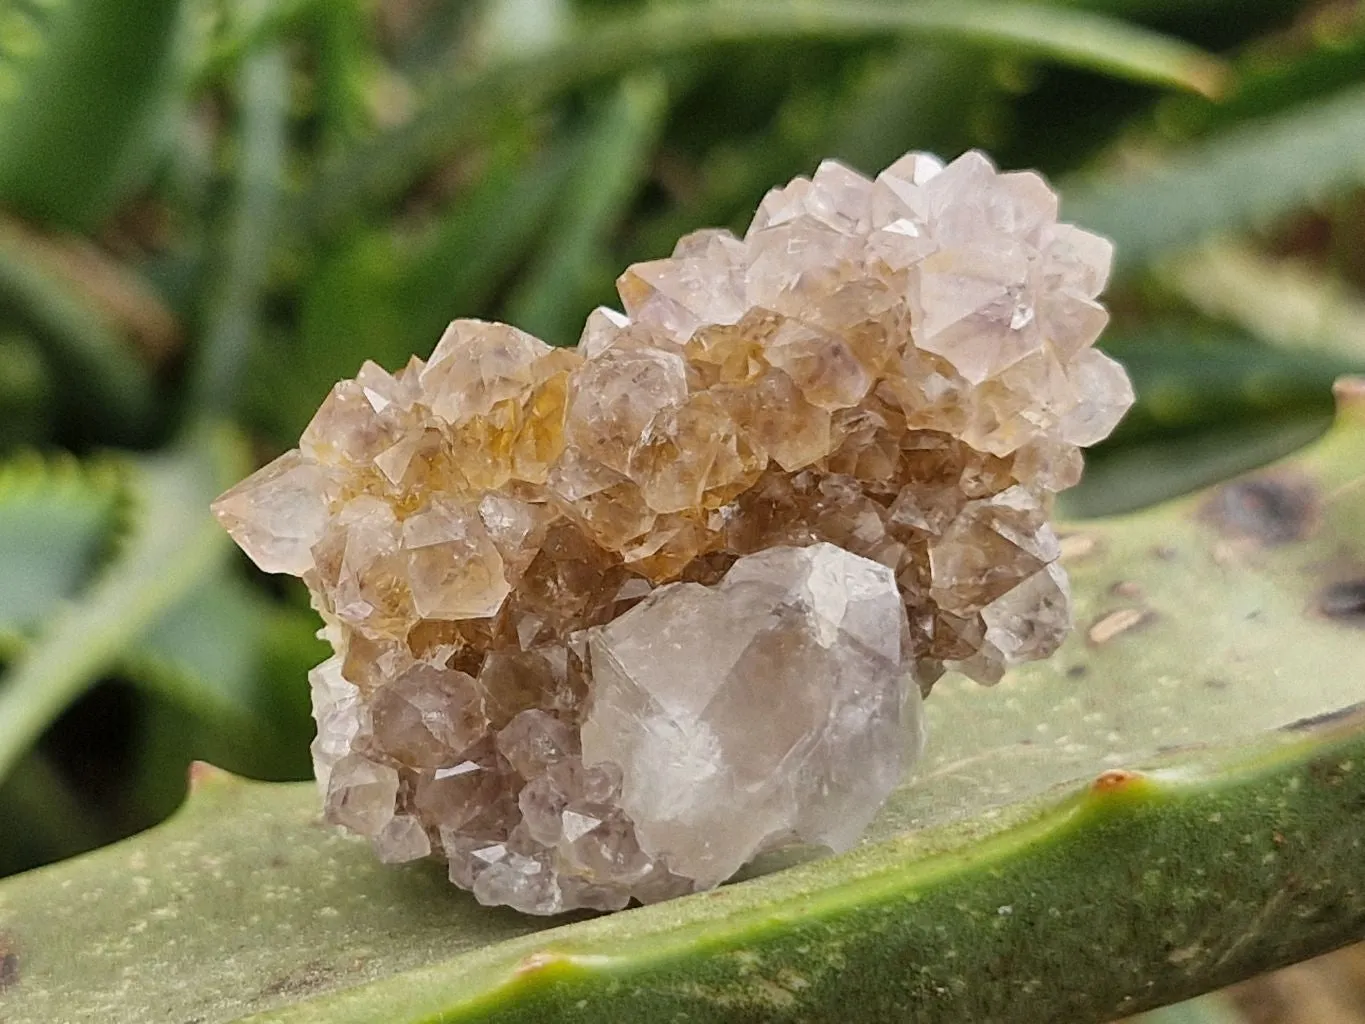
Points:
point(609, 621)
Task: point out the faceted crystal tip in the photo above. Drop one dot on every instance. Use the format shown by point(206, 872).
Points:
point(608, 622)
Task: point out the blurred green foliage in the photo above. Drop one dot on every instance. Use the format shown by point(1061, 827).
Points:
point(216, 208)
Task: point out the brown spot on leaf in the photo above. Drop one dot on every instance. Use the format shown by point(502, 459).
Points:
point(1326, 718)
point(1107, 627)
point(1268, 510)
point(1344, 601)
point(1165, 553)
point(1075, 546)
point(1128, 588)
point(9, 961)
point(305, 979)
point(1077, 672)
point(1115, 779)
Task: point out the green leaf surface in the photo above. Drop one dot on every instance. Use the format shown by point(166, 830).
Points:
point(57, 518)
point(468, 98)
point(171, 545)
point(1211, 403)
point(1134, 475)
point(77, 78)
point(1171, 803)
point(1242, 178)
point(215, 656)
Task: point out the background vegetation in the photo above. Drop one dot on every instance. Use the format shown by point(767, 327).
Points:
point(216, 208)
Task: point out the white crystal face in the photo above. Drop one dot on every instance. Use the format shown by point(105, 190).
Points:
point(609, 621)
point(778, 703)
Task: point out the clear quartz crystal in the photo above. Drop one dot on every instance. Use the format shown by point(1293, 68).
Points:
point(775, 702)
point(610, 621)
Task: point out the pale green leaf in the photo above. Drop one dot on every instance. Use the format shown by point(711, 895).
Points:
point(171, 545)
point(1169, 804)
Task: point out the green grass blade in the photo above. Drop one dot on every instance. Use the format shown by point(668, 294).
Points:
point(1265, 84)
point(1245, 177)
point(468, 98)
point(231, 329)
point(549, 302)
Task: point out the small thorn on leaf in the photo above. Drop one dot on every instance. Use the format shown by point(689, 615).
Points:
point(1350, 393)
point(1115, 779)
point(537, 962)
point(202, 773)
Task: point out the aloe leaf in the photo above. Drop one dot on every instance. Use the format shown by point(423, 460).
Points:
point(223, 657)
point(1168, 805)
point(599, 50)
point(1326, 54)
point(1197, 377)
point(1278, 164)
point(171, 545)
point(106, 384)
point(228, 663)
point(78, 78)
point(1211, 403)
point(1287, 302)
point(56, 520)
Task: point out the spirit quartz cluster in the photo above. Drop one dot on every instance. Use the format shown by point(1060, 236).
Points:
point(609, 621)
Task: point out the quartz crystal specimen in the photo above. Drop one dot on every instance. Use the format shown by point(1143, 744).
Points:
point(609, 621)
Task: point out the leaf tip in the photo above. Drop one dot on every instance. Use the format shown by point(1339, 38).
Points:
point(1209, 76)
